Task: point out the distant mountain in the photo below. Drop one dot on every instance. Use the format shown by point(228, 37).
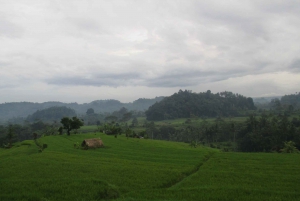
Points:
point(23, 109)
point(285, 101)
point(264, 100)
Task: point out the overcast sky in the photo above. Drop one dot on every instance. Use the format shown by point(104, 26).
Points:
point(80, 51)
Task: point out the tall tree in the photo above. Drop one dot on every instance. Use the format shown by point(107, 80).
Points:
point(134, 122)
point(70, 124)
point(10, 135)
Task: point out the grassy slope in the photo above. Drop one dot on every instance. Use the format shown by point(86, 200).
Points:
point(64, 173)
point(144, 170)
point(236, 176)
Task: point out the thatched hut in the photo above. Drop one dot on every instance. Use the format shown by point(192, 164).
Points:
point(92, 143)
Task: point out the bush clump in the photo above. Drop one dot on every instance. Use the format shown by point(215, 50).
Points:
point(106, 190)
point(289, 147)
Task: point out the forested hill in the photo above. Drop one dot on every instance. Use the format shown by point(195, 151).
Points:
point(292, 99)
point(51, 114)
point(23, 109)
point(185, 104)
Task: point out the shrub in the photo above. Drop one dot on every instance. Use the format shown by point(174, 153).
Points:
point(7, 146)
point(225, 149)
point(193, 144)
point(289, 147)
point(229, 144)
point(106, 190)
point(76, 145)
point(26, 143)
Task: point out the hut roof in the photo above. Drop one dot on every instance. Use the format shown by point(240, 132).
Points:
point(94, 143)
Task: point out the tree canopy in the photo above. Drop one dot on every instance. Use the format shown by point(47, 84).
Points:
point(291, 100)
point(90, 111)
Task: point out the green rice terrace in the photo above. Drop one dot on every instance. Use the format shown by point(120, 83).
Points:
point(142, 169)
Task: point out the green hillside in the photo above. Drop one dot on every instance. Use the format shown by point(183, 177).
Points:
point(139, 169)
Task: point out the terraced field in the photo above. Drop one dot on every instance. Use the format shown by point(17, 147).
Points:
point(236, 176)
point(139, 169)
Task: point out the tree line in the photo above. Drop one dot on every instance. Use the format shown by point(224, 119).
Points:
point(16, 132)
point(268, 133)
point(264, 133)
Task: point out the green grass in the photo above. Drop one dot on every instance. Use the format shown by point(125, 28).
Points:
point(140, 169)
point(236, 176)
point(180, 123)
point(61, 172)
point(87, 129)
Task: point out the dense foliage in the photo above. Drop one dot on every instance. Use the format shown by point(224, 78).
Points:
point(185, 104)
point(268, 133)
point(292, 99)
point(16, 132)
point(265, 133)
point(209, 132)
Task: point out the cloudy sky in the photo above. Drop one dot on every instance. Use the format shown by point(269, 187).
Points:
point(80, 51)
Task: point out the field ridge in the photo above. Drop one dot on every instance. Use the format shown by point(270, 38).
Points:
point(190, 173)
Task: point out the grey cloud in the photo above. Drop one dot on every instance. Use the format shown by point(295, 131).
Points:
point(2, 64)
point(295, 66)
point(178, 76)
point(280, 7)
point(193, 57)
point(9, 29)
point(113, 80)
point(212, 14)
point(7, 86)
point(88, 25)
point(185, 78)
point(130, 79)
point(147, 43)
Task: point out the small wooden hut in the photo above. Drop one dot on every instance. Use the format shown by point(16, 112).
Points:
point(92, 143)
